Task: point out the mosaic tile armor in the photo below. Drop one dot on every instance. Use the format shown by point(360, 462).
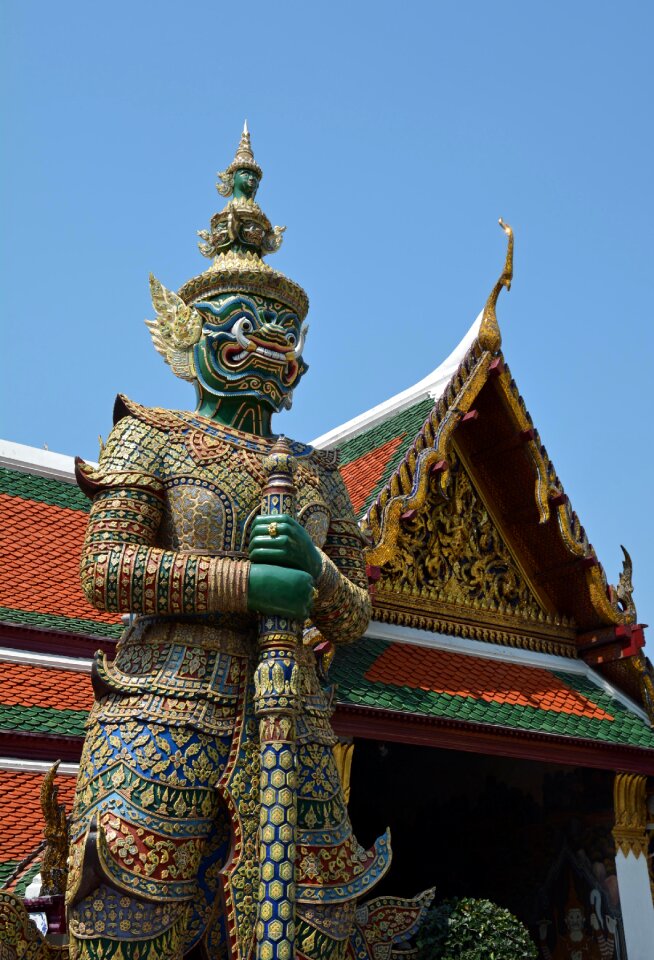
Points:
point(170, 764)
point(209, 818)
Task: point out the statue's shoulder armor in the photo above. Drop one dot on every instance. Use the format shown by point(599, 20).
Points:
point(333, 485)
point(134, 452)
point(165, 420)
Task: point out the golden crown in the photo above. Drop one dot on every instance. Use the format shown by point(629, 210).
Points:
point(238, 239)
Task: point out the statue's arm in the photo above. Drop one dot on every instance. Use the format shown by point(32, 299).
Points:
point(122, 569)
point(342, 608)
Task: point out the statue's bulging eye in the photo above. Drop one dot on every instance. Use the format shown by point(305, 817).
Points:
point(246, 325)
point(291, 338)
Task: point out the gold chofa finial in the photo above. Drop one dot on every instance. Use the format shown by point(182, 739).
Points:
point(243, 160)
point(490, 337)
point(54, 868)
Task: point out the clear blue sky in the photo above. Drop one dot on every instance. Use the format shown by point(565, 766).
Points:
point(392, 136)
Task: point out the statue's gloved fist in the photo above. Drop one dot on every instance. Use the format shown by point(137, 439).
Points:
point(284, 542)
point(280, 590)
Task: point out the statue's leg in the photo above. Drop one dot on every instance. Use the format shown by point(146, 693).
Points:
point(333, 871)
point(109, 925)
point(146, 826)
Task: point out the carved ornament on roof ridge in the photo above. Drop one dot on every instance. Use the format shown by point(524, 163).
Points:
point(426, 466)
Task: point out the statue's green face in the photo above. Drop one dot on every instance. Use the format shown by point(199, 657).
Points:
point(246, 184)
point(251, 346)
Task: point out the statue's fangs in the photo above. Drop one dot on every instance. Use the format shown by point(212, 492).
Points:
point(209, 818)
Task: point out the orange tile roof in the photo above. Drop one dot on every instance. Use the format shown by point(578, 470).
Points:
point(362, 475)
point(40, 547)
point(33, 686)
point(478, 678)
point(22, 820)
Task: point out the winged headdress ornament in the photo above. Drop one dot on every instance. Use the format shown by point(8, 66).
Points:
point(175, 330)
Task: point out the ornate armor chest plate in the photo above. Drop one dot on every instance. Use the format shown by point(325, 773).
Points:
point(213, 493)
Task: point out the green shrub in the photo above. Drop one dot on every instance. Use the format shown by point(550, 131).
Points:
point(469, 929)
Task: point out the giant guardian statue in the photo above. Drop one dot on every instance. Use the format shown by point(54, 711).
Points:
point(209, 818)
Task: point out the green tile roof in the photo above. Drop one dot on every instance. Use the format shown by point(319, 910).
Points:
point(6, 870)
point(352, 662)
point(48, 720)
point(57, 493)
point(405, 424)
point(50, 621)
point(19, 888)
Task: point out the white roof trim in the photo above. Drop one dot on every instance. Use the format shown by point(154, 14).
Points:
point(433, 385)
point(491, 651)
point(42, 463)
point(50, 660)
point(37, 766)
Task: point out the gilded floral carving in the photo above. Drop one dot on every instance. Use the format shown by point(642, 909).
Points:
point(451, 550)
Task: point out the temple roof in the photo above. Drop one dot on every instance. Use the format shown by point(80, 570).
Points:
point(39, 699)
point(548, 696)
point(42, 525)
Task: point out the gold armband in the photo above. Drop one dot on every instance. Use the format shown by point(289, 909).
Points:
point(228, 585)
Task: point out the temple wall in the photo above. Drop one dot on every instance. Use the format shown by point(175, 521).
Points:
point(636, 903)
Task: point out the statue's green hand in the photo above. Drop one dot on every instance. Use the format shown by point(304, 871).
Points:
point(284, 542)
point(280, 590)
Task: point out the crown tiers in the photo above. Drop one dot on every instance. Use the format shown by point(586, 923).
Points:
point(234, 272)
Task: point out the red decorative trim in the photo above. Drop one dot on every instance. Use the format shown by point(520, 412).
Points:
point(470, 416)
point(611, 643)
point(54, 909)
point(40, 746)
point(371, 724)
point(373, 573)
point(54, 641)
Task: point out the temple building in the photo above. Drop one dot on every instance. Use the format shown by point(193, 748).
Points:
point(497, 715)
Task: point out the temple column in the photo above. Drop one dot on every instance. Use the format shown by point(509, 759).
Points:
point(630, 834)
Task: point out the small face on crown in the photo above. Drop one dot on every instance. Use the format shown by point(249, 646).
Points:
point(246, 184)
point(251, 346)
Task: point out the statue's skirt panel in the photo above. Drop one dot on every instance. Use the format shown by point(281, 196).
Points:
point(167, 805)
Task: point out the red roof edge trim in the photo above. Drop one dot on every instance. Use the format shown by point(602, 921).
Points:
point(44, 640)
point(27, 745)
point(371, 724)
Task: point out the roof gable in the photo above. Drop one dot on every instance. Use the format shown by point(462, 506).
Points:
point(451, 555)
point(478, 417)
point(549, 592)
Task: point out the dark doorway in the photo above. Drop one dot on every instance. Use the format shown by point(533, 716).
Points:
point(481, 826)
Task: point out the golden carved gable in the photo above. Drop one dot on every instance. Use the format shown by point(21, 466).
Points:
point(451, 551)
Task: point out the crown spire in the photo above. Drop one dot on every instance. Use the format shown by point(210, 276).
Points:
point(238, 239)
point(243, 160)
point(244, 153)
